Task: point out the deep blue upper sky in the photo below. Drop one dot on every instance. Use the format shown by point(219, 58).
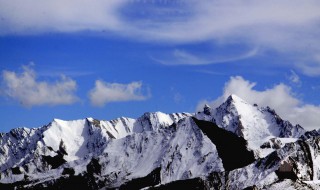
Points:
point(124, 59)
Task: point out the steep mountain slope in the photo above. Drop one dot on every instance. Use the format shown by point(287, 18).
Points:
point(234, 146)
point(229, 146)
point(295, 166)
point(263, 129)
point(181, 151)
point(75, 139)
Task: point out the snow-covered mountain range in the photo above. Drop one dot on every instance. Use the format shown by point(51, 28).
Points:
point(233, 146)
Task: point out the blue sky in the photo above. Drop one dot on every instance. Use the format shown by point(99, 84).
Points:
point(106, 59)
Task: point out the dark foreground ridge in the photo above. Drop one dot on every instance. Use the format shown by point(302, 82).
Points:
point(150, 180)
point(214, 181)
point(231, 148)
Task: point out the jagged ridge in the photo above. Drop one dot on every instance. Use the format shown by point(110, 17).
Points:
point(251, 147)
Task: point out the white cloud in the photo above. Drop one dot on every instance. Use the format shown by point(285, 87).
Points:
point(310, 68)
point(294, 78)
point(25, 88)
point(181, 57)
point(104, 93)
point(280, 97)
point(33, 16)
point(289, 27)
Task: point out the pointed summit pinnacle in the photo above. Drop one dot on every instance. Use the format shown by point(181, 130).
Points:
point(207, 109)
point(235, 98)
point(206, 106)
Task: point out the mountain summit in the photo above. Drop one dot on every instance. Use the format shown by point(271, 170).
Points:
point(233, 146)
point(256, 125)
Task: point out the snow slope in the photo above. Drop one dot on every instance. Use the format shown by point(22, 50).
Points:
point(181, 152)
point(233, 146)
point(70, 140)
point(257, 125)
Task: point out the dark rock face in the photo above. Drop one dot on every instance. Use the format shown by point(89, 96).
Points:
point(310, 134)
point(55, 161)
point(207, 110)
point(275, 143)
point(231, 148)
point(68, 171)
point(195, 183)
point(304, 156)
point(266, 145)
point(16, 170)
point(17, 185)
point(215, 180)
point(285, 161)
point(94, 167)
point(72, 182)
point(286, 128)
point(251, 188)
point(151, 179)
point(268, 162)
point(286, 171)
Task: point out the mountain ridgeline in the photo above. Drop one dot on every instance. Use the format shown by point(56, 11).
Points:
point(233, 146)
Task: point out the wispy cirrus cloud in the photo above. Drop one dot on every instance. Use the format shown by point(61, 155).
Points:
point(280, 97)
point(288, 27)
point(29, 91)
point(181, 57)
point(104, 93)
point(294, 78)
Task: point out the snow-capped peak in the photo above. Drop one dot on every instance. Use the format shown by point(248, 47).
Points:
point(236, 98)
point(72, 134)
point(162, 148)
point(238, 116)
point(151, 121)
point(255, 124)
